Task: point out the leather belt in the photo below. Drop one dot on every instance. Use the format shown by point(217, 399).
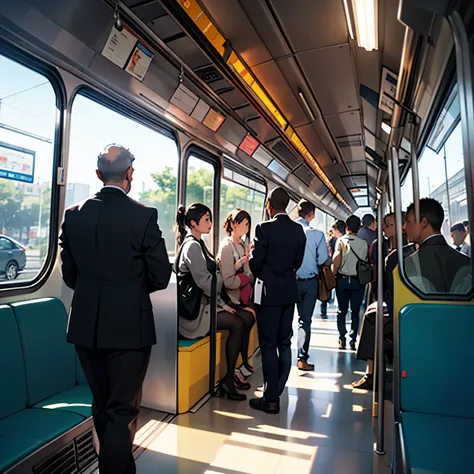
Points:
point(306, 279)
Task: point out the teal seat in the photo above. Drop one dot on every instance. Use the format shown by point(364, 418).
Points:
point(188, 342)
point(12, 372)
point(25, 431)
point(77, 400)
point(438, 444)
point(49, 359)
point(436, 391)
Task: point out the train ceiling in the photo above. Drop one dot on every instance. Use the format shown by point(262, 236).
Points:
point(302, 55)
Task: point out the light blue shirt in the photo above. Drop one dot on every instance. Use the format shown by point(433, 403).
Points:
point(315, 253)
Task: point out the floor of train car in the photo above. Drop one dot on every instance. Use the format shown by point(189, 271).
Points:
point(324, 426)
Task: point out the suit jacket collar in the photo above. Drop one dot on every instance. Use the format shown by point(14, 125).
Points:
point(112, 190)
point(436, 239)
point(281, 216)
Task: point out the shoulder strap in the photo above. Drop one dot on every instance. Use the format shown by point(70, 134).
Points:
point(358, 258)
point(188, 238)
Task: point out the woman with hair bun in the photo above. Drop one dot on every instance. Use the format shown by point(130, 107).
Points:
point(196, 260)
point(233, 259)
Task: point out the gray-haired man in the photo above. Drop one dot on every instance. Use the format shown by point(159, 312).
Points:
point(113, 256)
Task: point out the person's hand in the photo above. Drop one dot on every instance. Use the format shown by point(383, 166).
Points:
point(231, 310)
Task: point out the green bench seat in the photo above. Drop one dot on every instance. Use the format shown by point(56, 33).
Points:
point(40, 398)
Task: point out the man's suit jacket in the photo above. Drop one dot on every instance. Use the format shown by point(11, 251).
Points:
point(277, 255)
point(113, 257)
point(439, 263)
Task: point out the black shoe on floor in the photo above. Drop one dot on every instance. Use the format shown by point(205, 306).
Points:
point(353, 346)
point(365, 383)
point(241, 385)
point(261, 404)
point(324, 316)
point(342, 343)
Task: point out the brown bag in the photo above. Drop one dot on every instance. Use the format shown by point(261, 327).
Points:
point(326, 283)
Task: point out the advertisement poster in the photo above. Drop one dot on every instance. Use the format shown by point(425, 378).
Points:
point(389, 85)
point(139, 61)
point(17, 164)
point(125, 50)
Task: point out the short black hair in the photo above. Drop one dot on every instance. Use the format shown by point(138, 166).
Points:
point(305, 207)
point(466, 224)
point(279, 199)
point(458, 226)
point(340, 226)
point(353, 224)
point(368, 220)
point(432, 210)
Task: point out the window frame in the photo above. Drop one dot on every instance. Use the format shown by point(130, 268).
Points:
point(50, 73)
point(207, 156)
point(449, 81)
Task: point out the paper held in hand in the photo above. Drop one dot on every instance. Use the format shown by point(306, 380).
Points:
point(258, 291)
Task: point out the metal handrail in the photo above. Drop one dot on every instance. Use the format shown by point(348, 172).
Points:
point(379, 324)
point(213, 336)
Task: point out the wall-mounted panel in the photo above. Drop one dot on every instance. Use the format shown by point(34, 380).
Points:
point(331, 73)
point(312, 24)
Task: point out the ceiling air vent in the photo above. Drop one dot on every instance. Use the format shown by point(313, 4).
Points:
point(349, 141)
point(305, 174)
point(208, 74)
point(289, 158)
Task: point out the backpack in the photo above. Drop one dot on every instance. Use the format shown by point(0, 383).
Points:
point(364, 269)
point(189, 293)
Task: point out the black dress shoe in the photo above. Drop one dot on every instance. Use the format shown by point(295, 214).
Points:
point(268, 407)
point(231, 393)
point(239, 385)
point(342, 343)
point(353, 346)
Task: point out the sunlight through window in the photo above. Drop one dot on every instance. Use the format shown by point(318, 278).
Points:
point(229, 414)
point(286, 433)
point(328, 411)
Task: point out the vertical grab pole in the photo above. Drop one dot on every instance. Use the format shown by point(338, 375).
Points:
point(414, 167)
point(380, 355)
point(213, 336)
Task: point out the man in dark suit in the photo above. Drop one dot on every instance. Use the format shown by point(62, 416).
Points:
point(277, 255)
point(113, 257)
point(435, 261)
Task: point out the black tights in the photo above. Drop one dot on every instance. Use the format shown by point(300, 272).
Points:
point(239, 326)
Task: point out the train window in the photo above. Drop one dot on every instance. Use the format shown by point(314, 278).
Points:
point(28, 114)
point(93, 126)
point(435, 268)
point(200, 187)
point(250, 197)
point(319, 221)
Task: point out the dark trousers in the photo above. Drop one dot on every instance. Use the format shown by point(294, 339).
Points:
point(275, 332)
point(349, 290)
point(324, 304)
point(115, 378)
point(308, 291)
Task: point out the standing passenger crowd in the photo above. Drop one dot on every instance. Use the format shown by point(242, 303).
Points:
point(114, 256)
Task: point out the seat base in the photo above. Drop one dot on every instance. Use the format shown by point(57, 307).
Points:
point(438, 444)
point(28, 430)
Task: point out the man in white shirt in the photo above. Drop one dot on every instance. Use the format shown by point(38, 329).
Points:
point(349, 249)
point(458, 236)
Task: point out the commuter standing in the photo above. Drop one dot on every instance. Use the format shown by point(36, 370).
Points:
point(349, 249)
point(277, 255)
point(458, 236)
point(338, 230)
point(368, 229)
point(113, 257)
point(315, 255)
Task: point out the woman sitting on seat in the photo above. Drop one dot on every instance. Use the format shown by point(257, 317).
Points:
point(196, 259)
point(233, 258)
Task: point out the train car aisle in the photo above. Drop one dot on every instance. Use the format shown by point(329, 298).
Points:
point(324, 426)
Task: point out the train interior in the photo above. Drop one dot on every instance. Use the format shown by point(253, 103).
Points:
point(353, 105)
